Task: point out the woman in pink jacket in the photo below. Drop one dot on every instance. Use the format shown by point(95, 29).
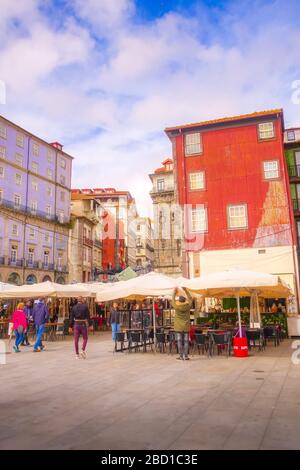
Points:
point(20, 325)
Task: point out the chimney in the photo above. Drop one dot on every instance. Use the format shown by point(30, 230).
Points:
point(57, 145)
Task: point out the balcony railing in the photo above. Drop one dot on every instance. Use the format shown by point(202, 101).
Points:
point(34, 212)
point(98, 243)
point(15, 262)
point(61, 269)
point(296, 205)
point(163, 189)
point(48, 266)
point(294, 171)
point(32, 264)
point(87, 241)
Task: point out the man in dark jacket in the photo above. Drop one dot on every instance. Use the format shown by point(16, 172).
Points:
point(40, 316)
point(182, 306)
point(114, 320)
point(79, 322)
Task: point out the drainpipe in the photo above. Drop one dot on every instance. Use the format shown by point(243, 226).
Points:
point(26, 209)
point(291, 216)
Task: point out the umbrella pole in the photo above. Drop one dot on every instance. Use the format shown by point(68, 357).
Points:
point(154, 324)
point(239, 312)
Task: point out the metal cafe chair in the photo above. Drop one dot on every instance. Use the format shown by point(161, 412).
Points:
point(120, 338)
point(255, 339)
point(221, 341)
point(201, 343)
point(161, 342)
point(271, 333)
point(134, 341)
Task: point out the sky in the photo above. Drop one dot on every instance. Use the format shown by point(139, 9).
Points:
point(105, 77)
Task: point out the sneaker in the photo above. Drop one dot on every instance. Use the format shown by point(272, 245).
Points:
point(42, 347)
point(180, 358)
point(36, 350)
point(186, 358)
point(83, 354)
point(77, 356)
point(16, 349)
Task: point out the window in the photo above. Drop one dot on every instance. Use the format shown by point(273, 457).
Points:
point(266, 130)
point(2, 172)
point(19, 159)
point(193, 144)
point(61, 216)
point(290, 135)
point(271, 170)
point(62, 180)
point(160, 185)
point(48, 211)
point(59, 261)
point(46, 258)
point(17, 201)
point(62, 196)
point(14, 254)
point(197, 180)
point(47, 237)
point(50, 156)
point(34, 167)
point(35, 149)
point(15, 230)
point(31, 232)
point(63, 163)
point(199, 219)
point(35, 186)
point(30, 255)
point(18, 179)
point(3, 131)
point(20, 140)
point(1, 195)
point(2, 151)
point(49, 173)
point(138, 227)
point(237, 216)
point(49, 191)
point(33, 207)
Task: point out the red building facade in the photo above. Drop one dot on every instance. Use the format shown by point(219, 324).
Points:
point(231, 177)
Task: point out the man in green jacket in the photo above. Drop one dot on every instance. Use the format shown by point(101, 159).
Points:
point(182, 306)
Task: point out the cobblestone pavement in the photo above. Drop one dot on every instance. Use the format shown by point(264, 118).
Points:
point(113, 401)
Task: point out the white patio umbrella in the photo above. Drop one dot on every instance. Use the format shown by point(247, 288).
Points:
point(46, 289)
point(237, 283)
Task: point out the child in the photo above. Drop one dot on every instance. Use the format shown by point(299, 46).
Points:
point(20, 325)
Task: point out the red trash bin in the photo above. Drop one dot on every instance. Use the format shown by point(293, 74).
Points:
point(240, 347)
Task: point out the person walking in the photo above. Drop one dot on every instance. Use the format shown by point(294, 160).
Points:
point(20, 325)
point(79, 323)
point(182, 306)
point(40, 316)
point(28, 313)
point(114, 320)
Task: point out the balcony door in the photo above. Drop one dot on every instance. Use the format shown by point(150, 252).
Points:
point(297, 160)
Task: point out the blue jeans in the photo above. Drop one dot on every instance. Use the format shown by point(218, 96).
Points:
point(115, 328)
point(19, 338)
point(39, 334)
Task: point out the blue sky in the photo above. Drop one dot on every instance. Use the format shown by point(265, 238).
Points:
point(105, 77)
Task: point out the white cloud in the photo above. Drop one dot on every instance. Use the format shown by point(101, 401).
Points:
point(107, 84)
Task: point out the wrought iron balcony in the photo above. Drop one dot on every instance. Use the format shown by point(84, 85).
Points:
point(88, 242)
point(15, 262)
point(98, 243)
point(294, 171)
point(296, 205)
point(61, 269)
point(48, 266)
point(32, 264)
point(34, 212)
